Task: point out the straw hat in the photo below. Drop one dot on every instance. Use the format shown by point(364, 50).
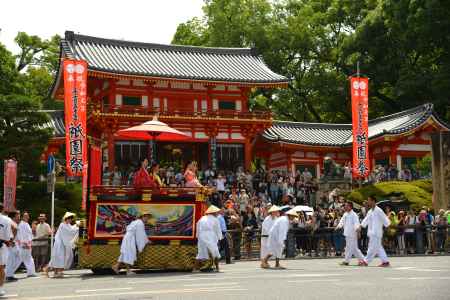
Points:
point(212, 210)
point(274, 208)
point(68, 215)
point(145, 213)
point(292, 213)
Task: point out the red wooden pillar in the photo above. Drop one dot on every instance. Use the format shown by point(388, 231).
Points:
point(111, 152)
point(248, 153)
point(289, 162)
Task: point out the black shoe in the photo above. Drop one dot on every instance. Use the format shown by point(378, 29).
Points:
point(10, 279)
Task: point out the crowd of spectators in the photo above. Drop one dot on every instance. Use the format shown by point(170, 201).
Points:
point(390, 172)
point(245, 198)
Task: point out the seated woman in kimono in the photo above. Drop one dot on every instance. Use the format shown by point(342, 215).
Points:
point(134, 241)
point(142, 178)
point(154, 175)
point(190, 175)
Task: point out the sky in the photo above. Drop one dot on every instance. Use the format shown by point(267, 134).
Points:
point(152, 21)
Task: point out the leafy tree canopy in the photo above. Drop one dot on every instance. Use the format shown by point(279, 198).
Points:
point(24, 91)
point(402, 46)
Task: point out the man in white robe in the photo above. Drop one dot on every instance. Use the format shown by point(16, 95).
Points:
point(62, 250)
point(350, 223)
point(208, 236)
point(5, 237)
point(277, 236)
point(274, 213)
point(24, 238)
point(13, 248)
point(375, 220)
point(134, 241)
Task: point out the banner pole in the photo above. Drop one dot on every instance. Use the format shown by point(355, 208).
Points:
point(357, 69)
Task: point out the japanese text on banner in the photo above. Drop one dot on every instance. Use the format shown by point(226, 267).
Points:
point(360, 120)
point(9, 185)
point(75, 90)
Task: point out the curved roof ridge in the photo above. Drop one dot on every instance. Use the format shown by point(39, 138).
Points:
point(314, 124)
point(70, 36)
point(427, 108)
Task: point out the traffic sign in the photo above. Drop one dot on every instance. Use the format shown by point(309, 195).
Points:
point(50, 164)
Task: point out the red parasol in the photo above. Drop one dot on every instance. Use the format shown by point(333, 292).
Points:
point(152, 130)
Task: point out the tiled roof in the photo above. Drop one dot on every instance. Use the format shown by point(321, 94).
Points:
point(56, 122)
point(240, 65)
point(341, 134)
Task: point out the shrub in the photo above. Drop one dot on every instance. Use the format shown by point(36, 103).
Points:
point(33, 197)
point(417, 193)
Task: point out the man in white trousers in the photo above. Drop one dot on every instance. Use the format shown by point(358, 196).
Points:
point(5, 238)
point(24, 238)
point(274, 213)
point(13, 248)
point(375, 220)
point(350, 223)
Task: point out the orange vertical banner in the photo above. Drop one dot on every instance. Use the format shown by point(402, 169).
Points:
point(75, 93)
point(9, 185)
point(360, 123)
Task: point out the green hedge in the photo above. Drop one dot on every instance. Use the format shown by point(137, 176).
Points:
point(417, 193)
point(33, 197)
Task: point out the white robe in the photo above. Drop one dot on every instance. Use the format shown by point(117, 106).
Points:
point(350, 223)
point(277, 236)
point(266, 226)
point(208, 236)
point(13, 253)
point(24, 238)
point(62, 251)
point(375, 220)
point(135, 237)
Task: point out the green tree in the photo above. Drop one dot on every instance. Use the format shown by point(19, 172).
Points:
point(401, 45)
point(37, 62)
point(23, 135)
point(404, 47)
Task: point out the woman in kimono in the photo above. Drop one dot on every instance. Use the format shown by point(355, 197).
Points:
point(208, 236)
point(190, 175)
point(62, 251)
point(274, 213)
point(135, 237)
point(142, 178)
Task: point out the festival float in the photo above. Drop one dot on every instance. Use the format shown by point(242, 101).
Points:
point(175, 212)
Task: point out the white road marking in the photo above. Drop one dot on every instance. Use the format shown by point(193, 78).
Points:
point(314, 280)
point(156, 292)
point(418, 278)
point(102, 290)
point(314, 275)
point(212, 284)
point(263, 275)
point(404, 268)
point(10, 296)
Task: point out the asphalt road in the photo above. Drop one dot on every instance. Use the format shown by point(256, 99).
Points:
point(409, 278)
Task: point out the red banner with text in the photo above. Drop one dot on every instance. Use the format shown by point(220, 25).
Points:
point(9, 185)
point(75, 91)
point(360, 122)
